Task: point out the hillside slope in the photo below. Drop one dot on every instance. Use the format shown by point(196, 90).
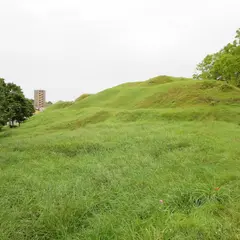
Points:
point(160, 98)
point(163, 92)
point(147, 160)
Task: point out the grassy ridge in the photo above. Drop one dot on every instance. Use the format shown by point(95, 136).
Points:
point(160, 98)
point(163, 92)
point(98, 167)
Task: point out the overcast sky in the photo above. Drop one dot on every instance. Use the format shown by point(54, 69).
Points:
point(70, 47)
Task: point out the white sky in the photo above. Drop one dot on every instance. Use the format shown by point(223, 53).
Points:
point(70, 47)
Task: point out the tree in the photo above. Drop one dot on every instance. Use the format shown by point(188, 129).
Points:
point(223, 65)
point(13, 104)
point(49, 103)
point(3, 103)
point(19, 108)
point(28, 110)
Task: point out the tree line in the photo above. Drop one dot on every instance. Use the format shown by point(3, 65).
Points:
point(223, 65)
point(14, 106)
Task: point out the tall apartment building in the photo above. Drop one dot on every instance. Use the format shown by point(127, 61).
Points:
point(39, 99)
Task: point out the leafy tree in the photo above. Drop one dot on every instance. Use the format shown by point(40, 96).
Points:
point(19, 108)
point(28, 110)
point(13, 104)
point(3, 103)
point(49, 103)
point(223, 65)
point(15, 101)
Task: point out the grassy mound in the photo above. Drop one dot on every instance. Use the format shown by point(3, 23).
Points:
point(146, 160)
point(83, 96)
point(159, 92)
point(160, 98)
point(163, 92)
point(60, 105)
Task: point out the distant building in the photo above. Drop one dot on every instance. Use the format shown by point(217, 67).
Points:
point(39, 99)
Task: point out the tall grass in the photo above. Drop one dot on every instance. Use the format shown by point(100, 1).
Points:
point(124, 173)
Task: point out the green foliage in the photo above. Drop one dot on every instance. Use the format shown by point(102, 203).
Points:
point(48, 104)
point(13, 104)
point(223, 65)
point(3, 103)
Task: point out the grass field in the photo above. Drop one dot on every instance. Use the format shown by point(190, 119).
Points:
point(145, 160)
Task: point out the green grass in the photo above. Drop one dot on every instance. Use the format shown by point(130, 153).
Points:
point(98, 167)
